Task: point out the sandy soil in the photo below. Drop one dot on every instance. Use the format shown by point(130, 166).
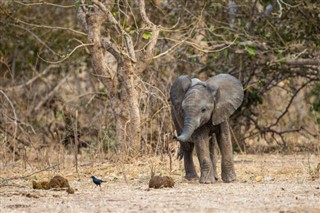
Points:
point(266, 183)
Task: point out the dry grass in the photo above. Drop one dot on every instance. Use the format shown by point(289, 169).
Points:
point(265, 183)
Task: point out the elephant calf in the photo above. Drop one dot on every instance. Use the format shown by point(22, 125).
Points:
point(200, 110)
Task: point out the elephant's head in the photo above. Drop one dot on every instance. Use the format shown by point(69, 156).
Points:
point(199, 102)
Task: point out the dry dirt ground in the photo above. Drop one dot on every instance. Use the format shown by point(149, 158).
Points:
point(266, 183)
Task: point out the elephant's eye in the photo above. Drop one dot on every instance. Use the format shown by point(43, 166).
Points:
point(203, 110)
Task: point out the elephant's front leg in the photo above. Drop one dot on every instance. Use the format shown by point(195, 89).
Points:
point(203, 152)
point(186, 149)
point(224, 140)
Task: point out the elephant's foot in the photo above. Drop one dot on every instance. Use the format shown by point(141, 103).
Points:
point(191, 176)
point(207, 177)
point(228, 176)
point(204, 180)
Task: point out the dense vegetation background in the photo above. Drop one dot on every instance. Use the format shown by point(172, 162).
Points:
point(94, 75)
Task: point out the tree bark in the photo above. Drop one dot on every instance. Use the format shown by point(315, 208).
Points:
point(134, 109)
point(94, 21)
point(121, 85)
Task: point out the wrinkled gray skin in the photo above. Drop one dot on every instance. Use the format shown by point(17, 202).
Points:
point(200, 110)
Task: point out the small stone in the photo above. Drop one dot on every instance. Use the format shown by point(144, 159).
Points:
point(70, 190)
point(32, 195)
point(268, 178)
point(259, 178)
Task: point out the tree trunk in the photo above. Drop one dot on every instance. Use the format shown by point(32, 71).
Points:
point(122, 83)
point(101, 71)
point(134, 109)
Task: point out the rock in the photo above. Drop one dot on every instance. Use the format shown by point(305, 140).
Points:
point(59, 182)
point(160, 182)
point(55, 182)
point(32, 195)
point(268, 178)
point(70, 190)
point(40, 185)
point(259, 178)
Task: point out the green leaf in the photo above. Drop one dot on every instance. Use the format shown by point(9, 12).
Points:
point(147, 35)
point(132, 32)
point(59, 115)
point(251, 50)
point(225, 53)
point(77, 4)
point(212, 29)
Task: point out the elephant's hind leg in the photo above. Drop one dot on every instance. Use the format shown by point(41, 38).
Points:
point(213, 156)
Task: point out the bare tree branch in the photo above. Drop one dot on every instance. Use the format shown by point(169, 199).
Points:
point(126, 36)
point(142, 8)
point(289, 103)
point(5, 180)
point(67, 55)
point(50, 27)
point(44, 3)
point(14, 135)
point(81, 16)
point(44, 72)
point(26, 143)
point(35, 36)
point(43, 101)
point(302, 62)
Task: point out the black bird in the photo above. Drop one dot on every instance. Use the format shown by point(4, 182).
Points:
point(97, 181)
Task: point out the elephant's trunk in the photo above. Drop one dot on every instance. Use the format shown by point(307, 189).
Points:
point(187, 131)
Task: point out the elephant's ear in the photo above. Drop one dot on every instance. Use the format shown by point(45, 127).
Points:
point(178, 90)
point(228, 96)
